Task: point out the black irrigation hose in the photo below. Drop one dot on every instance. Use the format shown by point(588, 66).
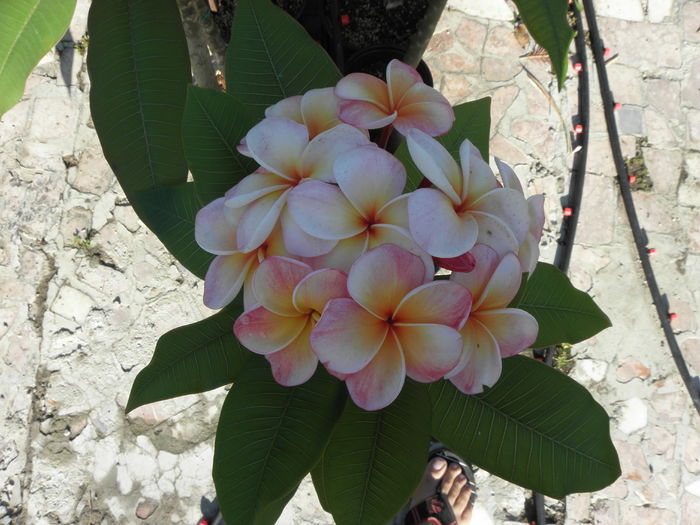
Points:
point(573, 199)
point(640, 239)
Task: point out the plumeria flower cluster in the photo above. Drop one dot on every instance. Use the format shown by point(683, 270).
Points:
point(338, 265)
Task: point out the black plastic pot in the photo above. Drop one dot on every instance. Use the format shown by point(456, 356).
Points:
point(373, 61)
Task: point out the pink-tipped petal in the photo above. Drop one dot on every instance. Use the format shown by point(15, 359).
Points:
point(502, 286)
point(485, 262)
point(259, 219)
point(253, 187)
point(430, 350)
point(365, 115)
point(361, 86)
point(296, 362)
point(432, 118)
point(347, 336)
point(436, 163)
point(480, 364)
point(419, 93)
point(400, 78)
point(439, 302)
point(462, 263)
point(494, 232)
point(321, 210)
point(225, 278)
point(383, 276)
point(264, 332)
point(478, 176)
point(395, 212)
point(528, 254)
point(436, 227)
point(315, 290)
point(318, 158)
point(274, 282)
point(289, 108)
point(535, 206)
point(343, 255)
point(508, 176)
point(298, 242)
point(277, 144)
point(319, 108)
point(389, 234)
point(514, 329)
point(379, 383)
point(509, 206)
point(369, 177)
point(213, 230)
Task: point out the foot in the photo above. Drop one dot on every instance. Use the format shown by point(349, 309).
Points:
point(447, 479)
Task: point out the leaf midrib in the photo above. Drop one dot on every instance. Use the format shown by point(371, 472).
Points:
point(171, 364)
point(151, 171)
point(258, 26)
point(17, 38)
point(528, 427)
point(234, 154)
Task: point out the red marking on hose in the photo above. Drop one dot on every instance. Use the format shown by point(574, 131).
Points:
point(673, 316)
point(617, 106)
point(203, 521)
point(651, 252)
point(568, 212)
point(344, 20)
point(578, 129)
point(578, 66)
point(632, 178)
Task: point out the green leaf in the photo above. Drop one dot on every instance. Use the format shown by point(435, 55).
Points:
point(28, 29)
point(269, 437)
point(565, 314)
point(271, 513)
point(272, 57)
point(170, 213)
point(548, 24)
point(375, 460)
point(472, 121)
point(535, 427)
point(320, 484)
point(213, 125)
point(191, 359)
point(139, 69)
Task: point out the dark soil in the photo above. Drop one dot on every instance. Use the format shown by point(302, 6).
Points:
point(348, 29)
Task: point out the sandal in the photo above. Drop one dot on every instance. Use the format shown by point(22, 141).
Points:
point(434, 510)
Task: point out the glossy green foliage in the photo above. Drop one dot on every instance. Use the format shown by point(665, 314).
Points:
point(374, 460)
point(213, 125)
point(191, 359)
point(28, 29)
point(170, 213)
point(548, 24)
point(565, 314)
point(139, 69)
point(269, 437)
point(556, 448)
point(271, 57)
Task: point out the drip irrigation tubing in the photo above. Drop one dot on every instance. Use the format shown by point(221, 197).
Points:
point(572, 202)
point(640, 238)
